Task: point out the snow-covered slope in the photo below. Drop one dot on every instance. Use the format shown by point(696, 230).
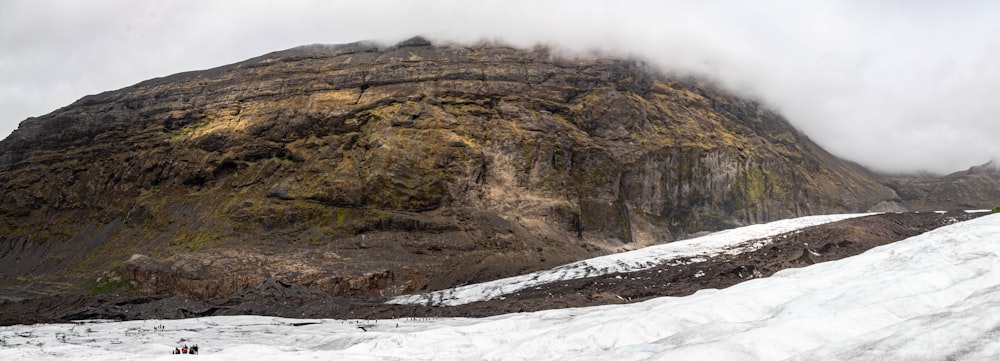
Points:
point(732, 241)
point(930, 297)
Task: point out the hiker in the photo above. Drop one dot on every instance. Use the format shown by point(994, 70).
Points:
point(185, 349)
point(177, 351)
point(193, 350)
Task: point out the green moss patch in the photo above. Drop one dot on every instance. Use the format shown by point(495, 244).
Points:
point(109, 282)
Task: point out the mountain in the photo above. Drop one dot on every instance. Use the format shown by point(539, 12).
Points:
point(975, 188)
point(370, 171)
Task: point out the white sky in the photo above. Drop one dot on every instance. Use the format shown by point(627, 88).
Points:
point(894, 85)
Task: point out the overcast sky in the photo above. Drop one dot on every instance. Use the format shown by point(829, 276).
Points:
point(894, 85)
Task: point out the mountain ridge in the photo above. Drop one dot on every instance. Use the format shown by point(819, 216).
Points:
point(362, 170)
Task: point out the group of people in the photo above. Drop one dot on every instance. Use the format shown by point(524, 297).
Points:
point(193, 350)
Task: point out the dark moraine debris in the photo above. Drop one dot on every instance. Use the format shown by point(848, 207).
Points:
point(801, 248)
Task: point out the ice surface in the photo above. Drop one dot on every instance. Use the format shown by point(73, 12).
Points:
point(732, 241)
point(929, 297)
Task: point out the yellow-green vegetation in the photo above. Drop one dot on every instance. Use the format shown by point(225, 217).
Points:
point(334, 222)
point(786, 153)
point(312, 241)
point(87, 261)
point(755, 185)
point(108, 282)
point(591, 177)
point(341, 216)
point(624, 224)
point(995, 210)
point(194, 241)
point(688, 165)
point(183, 133)
point(688, 122)
point(333, 99)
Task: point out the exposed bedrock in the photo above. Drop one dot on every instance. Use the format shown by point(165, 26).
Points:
point(361, 170)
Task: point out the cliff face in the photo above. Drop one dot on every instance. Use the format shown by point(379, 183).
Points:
point(368, 171)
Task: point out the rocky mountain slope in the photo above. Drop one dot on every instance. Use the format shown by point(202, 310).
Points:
point(369, 171)
point(975, 188)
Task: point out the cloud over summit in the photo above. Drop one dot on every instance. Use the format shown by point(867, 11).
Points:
point(896, 86)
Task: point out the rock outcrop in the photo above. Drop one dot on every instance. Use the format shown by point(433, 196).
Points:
point(369, 171)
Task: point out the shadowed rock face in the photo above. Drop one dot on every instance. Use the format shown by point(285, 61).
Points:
point(366, 171)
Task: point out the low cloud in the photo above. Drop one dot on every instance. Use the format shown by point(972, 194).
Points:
point(896, 86)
